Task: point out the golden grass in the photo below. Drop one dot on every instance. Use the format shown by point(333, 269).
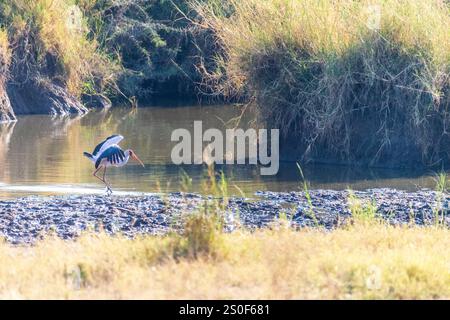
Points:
point(321, 70)
point(5, 52)
point(59, 28)
point(328, 29)
point(370, 261)
point(5, 60)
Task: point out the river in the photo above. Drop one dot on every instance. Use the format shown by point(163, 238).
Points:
point(42, 155)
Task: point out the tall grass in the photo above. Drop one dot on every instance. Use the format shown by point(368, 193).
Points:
point(5, 54)
point(310, 211)
point(202, 228)
point(337, 82)
point(363, 212)
point(50, 41)
point(441, 188)
point(371, 262)
point(6, 112)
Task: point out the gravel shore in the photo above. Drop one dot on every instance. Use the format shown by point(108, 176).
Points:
point(24, 220)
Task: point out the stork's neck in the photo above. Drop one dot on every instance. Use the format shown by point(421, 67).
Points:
point(127, 155)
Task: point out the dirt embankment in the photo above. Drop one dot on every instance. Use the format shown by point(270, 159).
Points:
point(49, 61)
point(25, 94)
point(6, 112)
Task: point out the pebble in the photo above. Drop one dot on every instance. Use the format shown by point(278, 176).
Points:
point(25, 220)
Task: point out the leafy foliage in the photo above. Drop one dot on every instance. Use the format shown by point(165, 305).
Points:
point(155, 43)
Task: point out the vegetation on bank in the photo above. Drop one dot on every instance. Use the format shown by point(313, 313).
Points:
point(156, 42)
point(6, 113)
point(350, 81)
point(364, 261)
point(5, 54)
point(54, 62)
point(122, 50)
point(52, 37)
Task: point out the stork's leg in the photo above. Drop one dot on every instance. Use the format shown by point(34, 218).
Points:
point(108, 188)
point(95, 174)
point(102, 180)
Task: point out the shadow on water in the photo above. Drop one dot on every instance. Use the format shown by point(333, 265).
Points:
point(41, 153)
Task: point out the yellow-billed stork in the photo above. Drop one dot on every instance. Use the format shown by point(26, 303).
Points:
point(108, 153)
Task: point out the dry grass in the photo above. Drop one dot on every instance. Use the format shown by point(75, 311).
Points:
point(5, 60)
point(329, 74)
point(5, 53)
point(369, 261)
point(50, 39)
point(5, 57)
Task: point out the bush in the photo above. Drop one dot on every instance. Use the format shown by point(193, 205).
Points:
point(5, 54)
point(50, 43)
point(339, 88)
point(6, 112)
point(155, 43)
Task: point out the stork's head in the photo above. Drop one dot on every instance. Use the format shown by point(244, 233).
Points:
point(134, 156)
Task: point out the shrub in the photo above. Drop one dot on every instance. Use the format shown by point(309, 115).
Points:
point(5, 54)
point(50, 43)
point(338, 87)
point(155, 43)
point(6, 112)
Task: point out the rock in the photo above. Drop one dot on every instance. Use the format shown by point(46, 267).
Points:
point(6, 111)
point(43, 97)
point(25, 220)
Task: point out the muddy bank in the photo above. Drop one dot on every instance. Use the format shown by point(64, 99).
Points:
point(6, 111)
point(25, 220)
point(44, 98)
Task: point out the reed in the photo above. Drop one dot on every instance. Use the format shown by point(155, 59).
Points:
point(340, 81)
point(50, 43)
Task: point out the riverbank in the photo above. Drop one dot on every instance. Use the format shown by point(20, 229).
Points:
point(350, 82)
point(66, 57)
point(362, 261)
point(27, 220)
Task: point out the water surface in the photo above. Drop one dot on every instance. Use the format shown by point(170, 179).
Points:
point(43, 155)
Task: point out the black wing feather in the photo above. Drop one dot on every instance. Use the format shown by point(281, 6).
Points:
point(101, 144)
point(112, 154)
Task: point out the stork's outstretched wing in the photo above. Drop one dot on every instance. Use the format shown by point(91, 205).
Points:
point(113, 154)
point(102, 146)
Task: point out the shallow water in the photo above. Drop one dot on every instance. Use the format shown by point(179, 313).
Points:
point(43, 155)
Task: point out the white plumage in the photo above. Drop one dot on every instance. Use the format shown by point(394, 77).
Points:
point(107, 154)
